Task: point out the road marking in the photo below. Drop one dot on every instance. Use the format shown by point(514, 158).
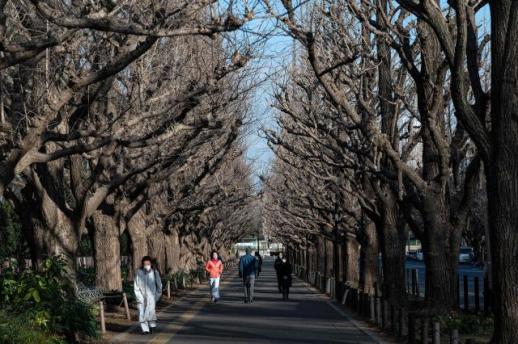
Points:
point(171, 329)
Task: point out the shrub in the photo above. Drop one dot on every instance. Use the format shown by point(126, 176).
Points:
point(468, 323)
point(48, 300)
point(20, 329)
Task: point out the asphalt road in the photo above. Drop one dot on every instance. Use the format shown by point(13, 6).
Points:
point(307, 318)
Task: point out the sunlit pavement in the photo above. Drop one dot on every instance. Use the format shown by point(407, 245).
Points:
point(307, 318)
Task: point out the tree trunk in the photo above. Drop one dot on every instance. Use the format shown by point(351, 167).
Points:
point(368, 258)
point(351, 258)
point(329, 259)
point(503, 170)
point(136, 229)
point(392, 242)
point(55, 233)
point(156, 243)
point(321, 255)
point(108, 275)
point(311, 261)
point(170, 254)
point(441, 251)
point(339, 261)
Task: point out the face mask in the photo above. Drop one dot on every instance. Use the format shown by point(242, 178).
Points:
point(147, 267)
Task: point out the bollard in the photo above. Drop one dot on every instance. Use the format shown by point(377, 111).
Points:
point(454, 336)
point(169, 289)
point(125, 299)
point(103, 323)
point(436, 339)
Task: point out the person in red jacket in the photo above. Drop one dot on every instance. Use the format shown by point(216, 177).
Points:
point(214, 267)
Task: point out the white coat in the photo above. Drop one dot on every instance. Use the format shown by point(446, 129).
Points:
point(148, 289)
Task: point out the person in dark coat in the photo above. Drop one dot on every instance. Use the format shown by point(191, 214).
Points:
point(248, 266)
point(259, 262)
point(277, 265)
point(286, 271)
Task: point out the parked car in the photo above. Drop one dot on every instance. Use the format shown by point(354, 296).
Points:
point(466, 255)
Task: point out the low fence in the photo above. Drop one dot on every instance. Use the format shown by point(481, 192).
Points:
point(473, 292)
point(82, 262)
point(93, 295)
point(415, 325)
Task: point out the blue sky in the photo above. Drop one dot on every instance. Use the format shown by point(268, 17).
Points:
point(270, 60)
point(273, 58)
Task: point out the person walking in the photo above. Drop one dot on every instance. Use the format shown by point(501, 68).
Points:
point(248, 266)
point(148, 289)
point(214, 267)
point(286, 271)
point(277, 266)
point(259, 262)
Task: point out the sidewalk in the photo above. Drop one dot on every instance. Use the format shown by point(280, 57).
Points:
point(309, 317)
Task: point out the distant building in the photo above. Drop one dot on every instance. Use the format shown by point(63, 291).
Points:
point(266, 247)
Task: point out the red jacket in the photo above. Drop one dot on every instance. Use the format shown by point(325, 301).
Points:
point(214, 268)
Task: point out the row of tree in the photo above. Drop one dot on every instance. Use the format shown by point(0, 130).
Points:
point(124, 117)
point(398, 117)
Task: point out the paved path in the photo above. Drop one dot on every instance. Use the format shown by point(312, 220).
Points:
point(307, 318)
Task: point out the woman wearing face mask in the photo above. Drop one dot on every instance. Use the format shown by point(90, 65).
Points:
point(285, 272)
point(148, 289)
point(214, 267)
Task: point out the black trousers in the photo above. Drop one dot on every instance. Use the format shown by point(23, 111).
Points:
point(279, 282)
point(286, 284)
